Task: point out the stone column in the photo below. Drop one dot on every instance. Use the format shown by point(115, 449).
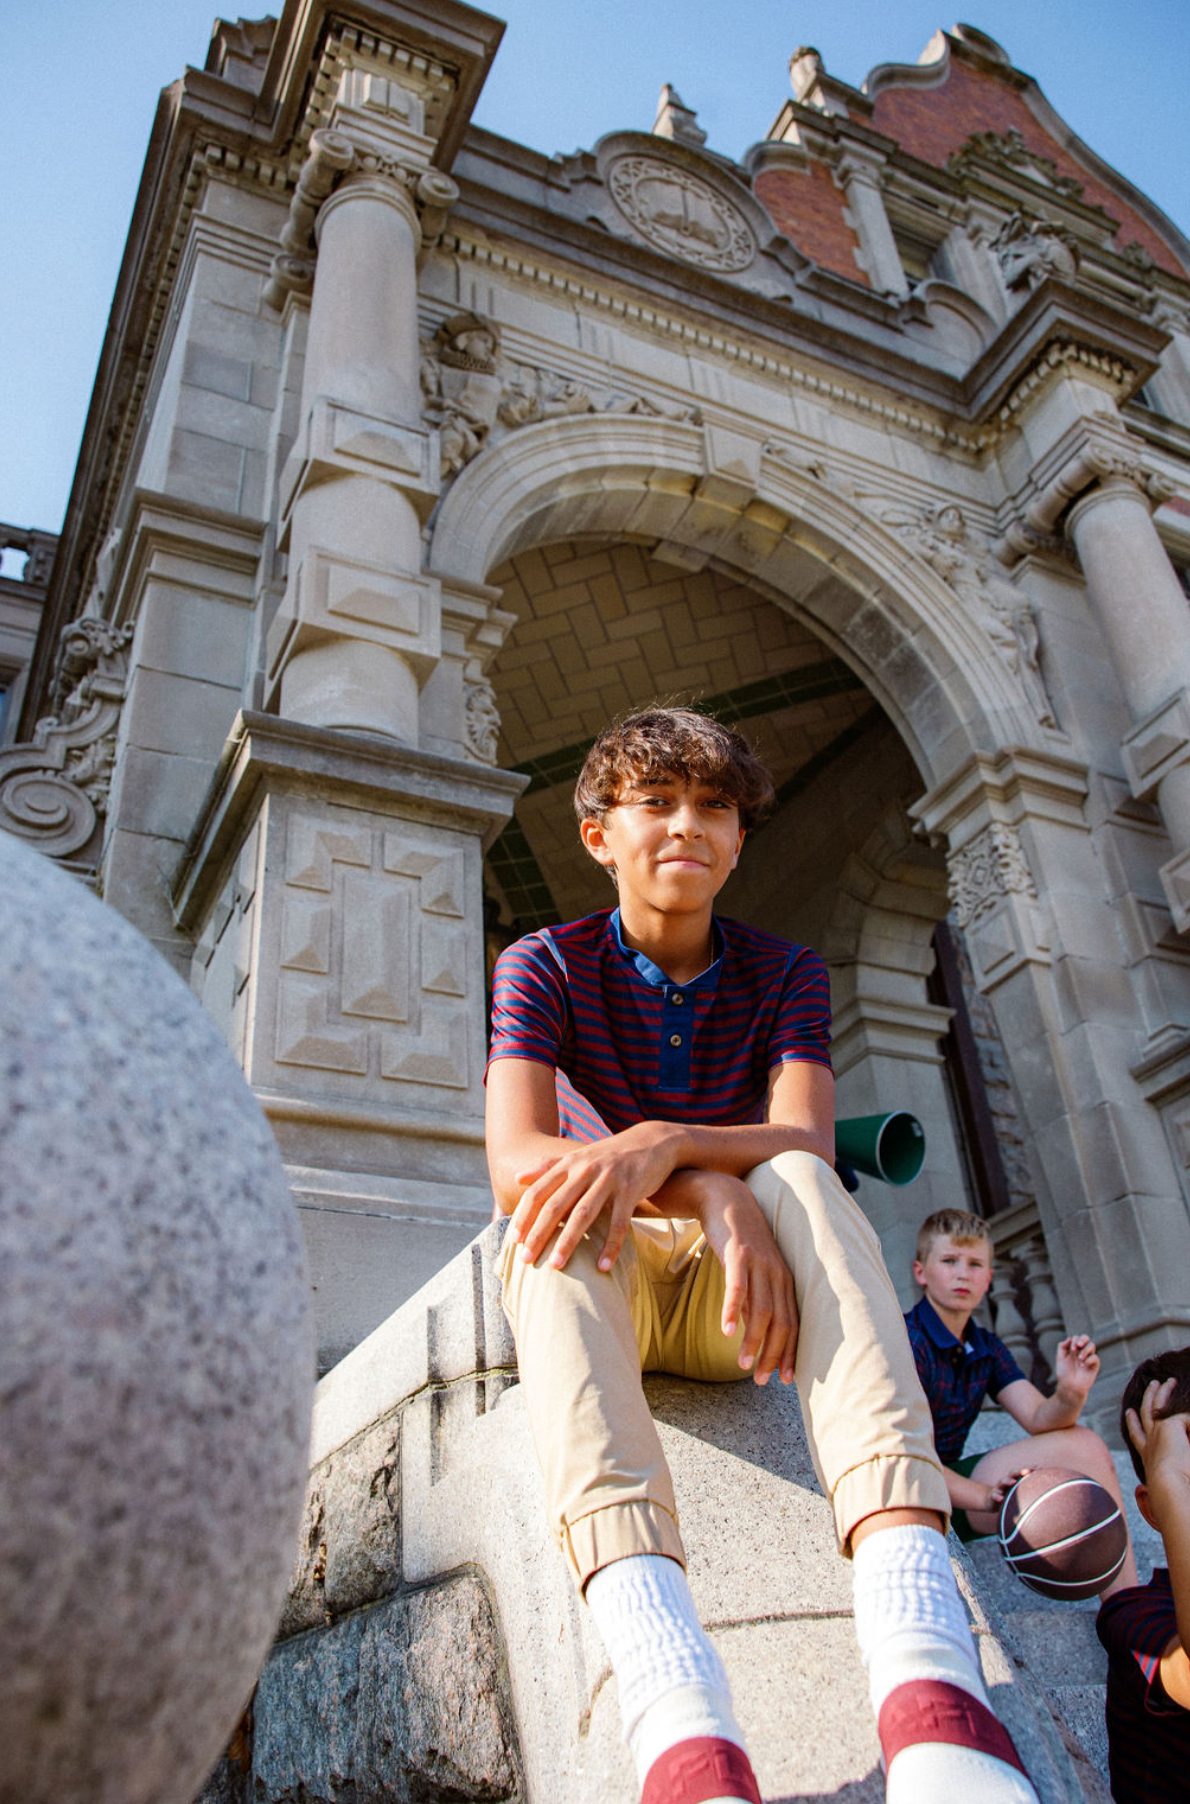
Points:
point(1143, 615)
point(359, 629)
point(860, 179)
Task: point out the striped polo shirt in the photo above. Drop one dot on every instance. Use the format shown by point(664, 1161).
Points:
point(638, 1047)
point(1148, 1735)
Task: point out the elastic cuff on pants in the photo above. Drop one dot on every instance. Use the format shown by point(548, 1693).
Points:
point(616, 1532)
point(888, 1482)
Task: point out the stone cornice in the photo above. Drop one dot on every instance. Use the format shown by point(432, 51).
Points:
point(1005, 788)
point(1059, 315)
point(263, 750)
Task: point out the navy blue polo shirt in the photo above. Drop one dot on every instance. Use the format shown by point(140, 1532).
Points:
point(956, 1375)
point(639, 1047)
point(1148, 1734)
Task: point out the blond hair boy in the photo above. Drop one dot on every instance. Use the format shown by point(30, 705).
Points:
point(960, 1363)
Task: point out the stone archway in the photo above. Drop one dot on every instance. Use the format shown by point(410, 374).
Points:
point(627, 579)
point(706, 497)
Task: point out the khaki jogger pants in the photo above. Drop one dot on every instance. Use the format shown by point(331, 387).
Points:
point(584, 1337)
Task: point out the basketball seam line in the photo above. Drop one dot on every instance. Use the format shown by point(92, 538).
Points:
point(1035, 1579)
point(1055, 1546)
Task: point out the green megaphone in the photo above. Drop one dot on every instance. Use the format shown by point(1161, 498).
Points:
point(889, 1147)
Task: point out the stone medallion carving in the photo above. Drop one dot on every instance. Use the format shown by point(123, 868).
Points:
point(676, 211)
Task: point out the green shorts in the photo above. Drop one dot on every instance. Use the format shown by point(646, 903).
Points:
point(959, 1520)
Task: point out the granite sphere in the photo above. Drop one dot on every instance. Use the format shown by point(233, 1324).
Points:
point(156, 1364)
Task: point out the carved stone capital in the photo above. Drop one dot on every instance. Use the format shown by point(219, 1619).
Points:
point(1157, 745)
point(985, 870)
point(331, 157)
point(1094, 449)
point(995, 902)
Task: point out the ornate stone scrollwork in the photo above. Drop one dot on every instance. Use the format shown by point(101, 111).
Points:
point(987, 869)
point(54, 788)
point(331, 156)
point(481, 717)
point(966, 561)
point(1010, 151)
point(1032, 250)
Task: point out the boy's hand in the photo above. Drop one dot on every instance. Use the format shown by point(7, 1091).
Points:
point(1162, 1442)
point(586, 1180)
point(996, 1493)
point(1076, 1367)
point(759, 1283)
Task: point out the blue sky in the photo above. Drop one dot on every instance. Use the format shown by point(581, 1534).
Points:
point(80, 85)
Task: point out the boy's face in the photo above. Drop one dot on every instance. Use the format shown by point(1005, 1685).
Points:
point(672, 842)
point(955, 1275)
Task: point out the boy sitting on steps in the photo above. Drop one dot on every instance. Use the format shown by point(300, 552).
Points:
point(660, 1129)
point(959, 1363)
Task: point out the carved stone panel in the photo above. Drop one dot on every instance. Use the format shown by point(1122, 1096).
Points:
point(996, 904)
point(372, 967)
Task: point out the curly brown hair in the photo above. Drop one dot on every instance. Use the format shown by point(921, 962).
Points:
point(672, 742)
point(1175, 1364)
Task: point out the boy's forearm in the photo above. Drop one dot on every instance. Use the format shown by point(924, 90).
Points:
point(1061, 1410)
point(965, 1493)
point(738, 1150)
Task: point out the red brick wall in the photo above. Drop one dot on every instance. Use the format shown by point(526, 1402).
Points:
point(808, 208)
point(932, 122)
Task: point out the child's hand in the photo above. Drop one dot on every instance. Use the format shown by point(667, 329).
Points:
point(1076, 1366)
point(999, 1491)
point(759, 1283)
point(1162, 1442)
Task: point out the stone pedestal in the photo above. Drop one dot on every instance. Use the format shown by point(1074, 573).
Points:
point(340, 948)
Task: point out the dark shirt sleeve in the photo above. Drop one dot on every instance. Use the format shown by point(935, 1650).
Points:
point(1136, 1628)
point(529, 1009)
point(1005, 1370)
point(802, 1023)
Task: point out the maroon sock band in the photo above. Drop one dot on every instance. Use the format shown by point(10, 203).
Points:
point(702, 1767)
point(930, 1710)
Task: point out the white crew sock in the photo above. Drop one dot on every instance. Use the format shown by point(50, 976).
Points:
point(911, 1625)
point(671, 1681)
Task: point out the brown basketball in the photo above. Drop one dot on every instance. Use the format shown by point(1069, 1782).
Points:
point(1062, 1534)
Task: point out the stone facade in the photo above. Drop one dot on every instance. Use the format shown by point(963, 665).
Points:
point(414, 455)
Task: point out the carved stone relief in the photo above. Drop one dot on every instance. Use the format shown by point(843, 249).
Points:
point(1031, 250)
point(372, 978)
point(676, 211)
point(963, 557)
point(1010, 151)
point(475, 395)
point(986, 870)
point(481, 717)
point(54, 787)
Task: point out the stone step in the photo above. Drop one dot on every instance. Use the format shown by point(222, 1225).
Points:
point(425, 1532)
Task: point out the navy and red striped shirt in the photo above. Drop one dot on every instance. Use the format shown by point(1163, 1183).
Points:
point(1148, 1735)
point(638, 1047)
